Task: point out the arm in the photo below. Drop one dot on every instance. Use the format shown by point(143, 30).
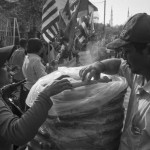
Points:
point(111, 66)
point(108, 66)
point(19, 131)
point(39, 69)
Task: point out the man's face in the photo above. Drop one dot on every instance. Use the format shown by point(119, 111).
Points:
point(135, 60)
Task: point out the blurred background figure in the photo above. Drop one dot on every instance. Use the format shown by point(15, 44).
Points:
point(18, 130)
point(16, 63)
point(33, 68)
point(52, 66)
point(17, 59)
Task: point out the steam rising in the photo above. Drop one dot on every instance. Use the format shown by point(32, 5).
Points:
point(94, 52)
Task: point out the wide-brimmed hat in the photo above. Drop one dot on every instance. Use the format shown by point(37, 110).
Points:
point(5, 54)
point(136, 30)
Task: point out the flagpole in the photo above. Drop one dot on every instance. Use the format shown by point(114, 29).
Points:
point(104, 17)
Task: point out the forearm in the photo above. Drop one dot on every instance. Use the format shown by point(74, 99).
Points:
point(19, 131)
point(111, 66)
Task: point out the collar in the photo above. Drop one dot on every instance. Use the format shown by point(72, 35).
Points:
point(145, 88)
point(34, 55)
point(21, 48)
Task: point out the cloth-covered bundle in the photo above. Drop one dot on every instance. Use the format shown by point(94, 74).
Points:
point(89, 117)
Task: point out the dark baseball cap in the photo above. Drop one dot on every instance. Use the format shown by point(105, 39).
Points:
point(5, 54)
point(135, 30)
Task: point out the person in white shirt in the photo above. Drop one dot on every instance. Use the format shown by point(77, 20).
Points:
point(32, 68)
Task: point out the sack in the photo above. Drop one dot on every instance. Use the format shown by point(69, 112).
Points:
point(85, 118)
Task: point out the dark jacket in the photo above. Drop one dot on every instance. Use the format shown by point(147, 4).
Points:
point(19, 131)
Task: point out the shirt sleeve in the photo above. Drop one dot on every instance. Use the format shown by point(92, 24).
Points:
point(125, 71)
point(39, 69)
point(19, 131)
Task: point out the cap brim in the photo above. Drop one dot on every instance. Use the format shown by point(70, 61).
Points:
point(5, 54)
point(117, 44)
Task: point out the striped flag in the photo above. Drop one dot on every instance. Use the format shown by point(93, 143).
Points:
point(50, 18)
point(82, 29)
point(82, 34)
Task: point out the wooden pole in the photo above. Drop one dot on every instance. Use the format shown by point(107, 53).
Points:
point(104, 16)
point(14, 32)
point(17, 28)
point(6, 35)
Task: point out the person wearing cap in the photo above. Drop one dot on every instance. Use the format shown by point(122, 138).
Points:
point(18, 131)
point(16, 61)
point(134, 40)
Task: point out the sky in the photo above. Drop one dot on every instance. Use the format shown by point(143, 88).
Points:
point(120, 9)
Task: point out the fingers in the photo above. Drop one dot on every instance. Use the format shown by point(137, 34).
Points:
point(62, 76)
point(56, 87)
point(62, 83)
point(84, 72)
point(65, 86)
point(59, 85)
point(81, 71)
point(91, 74)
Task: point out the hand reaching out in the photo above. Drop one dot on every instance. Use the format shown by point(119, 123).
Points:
point(93, 70)
point(57, 87)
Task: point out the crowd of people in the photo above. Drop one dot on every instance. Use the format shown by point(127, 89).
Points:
point(27, 63)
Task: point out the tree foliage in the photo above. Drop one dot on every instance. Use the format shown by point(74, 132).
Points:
point(7, 6)
point(27, 12)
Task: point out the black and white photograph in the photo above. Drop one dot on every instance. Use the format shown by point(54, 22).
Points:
point(74, 75)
